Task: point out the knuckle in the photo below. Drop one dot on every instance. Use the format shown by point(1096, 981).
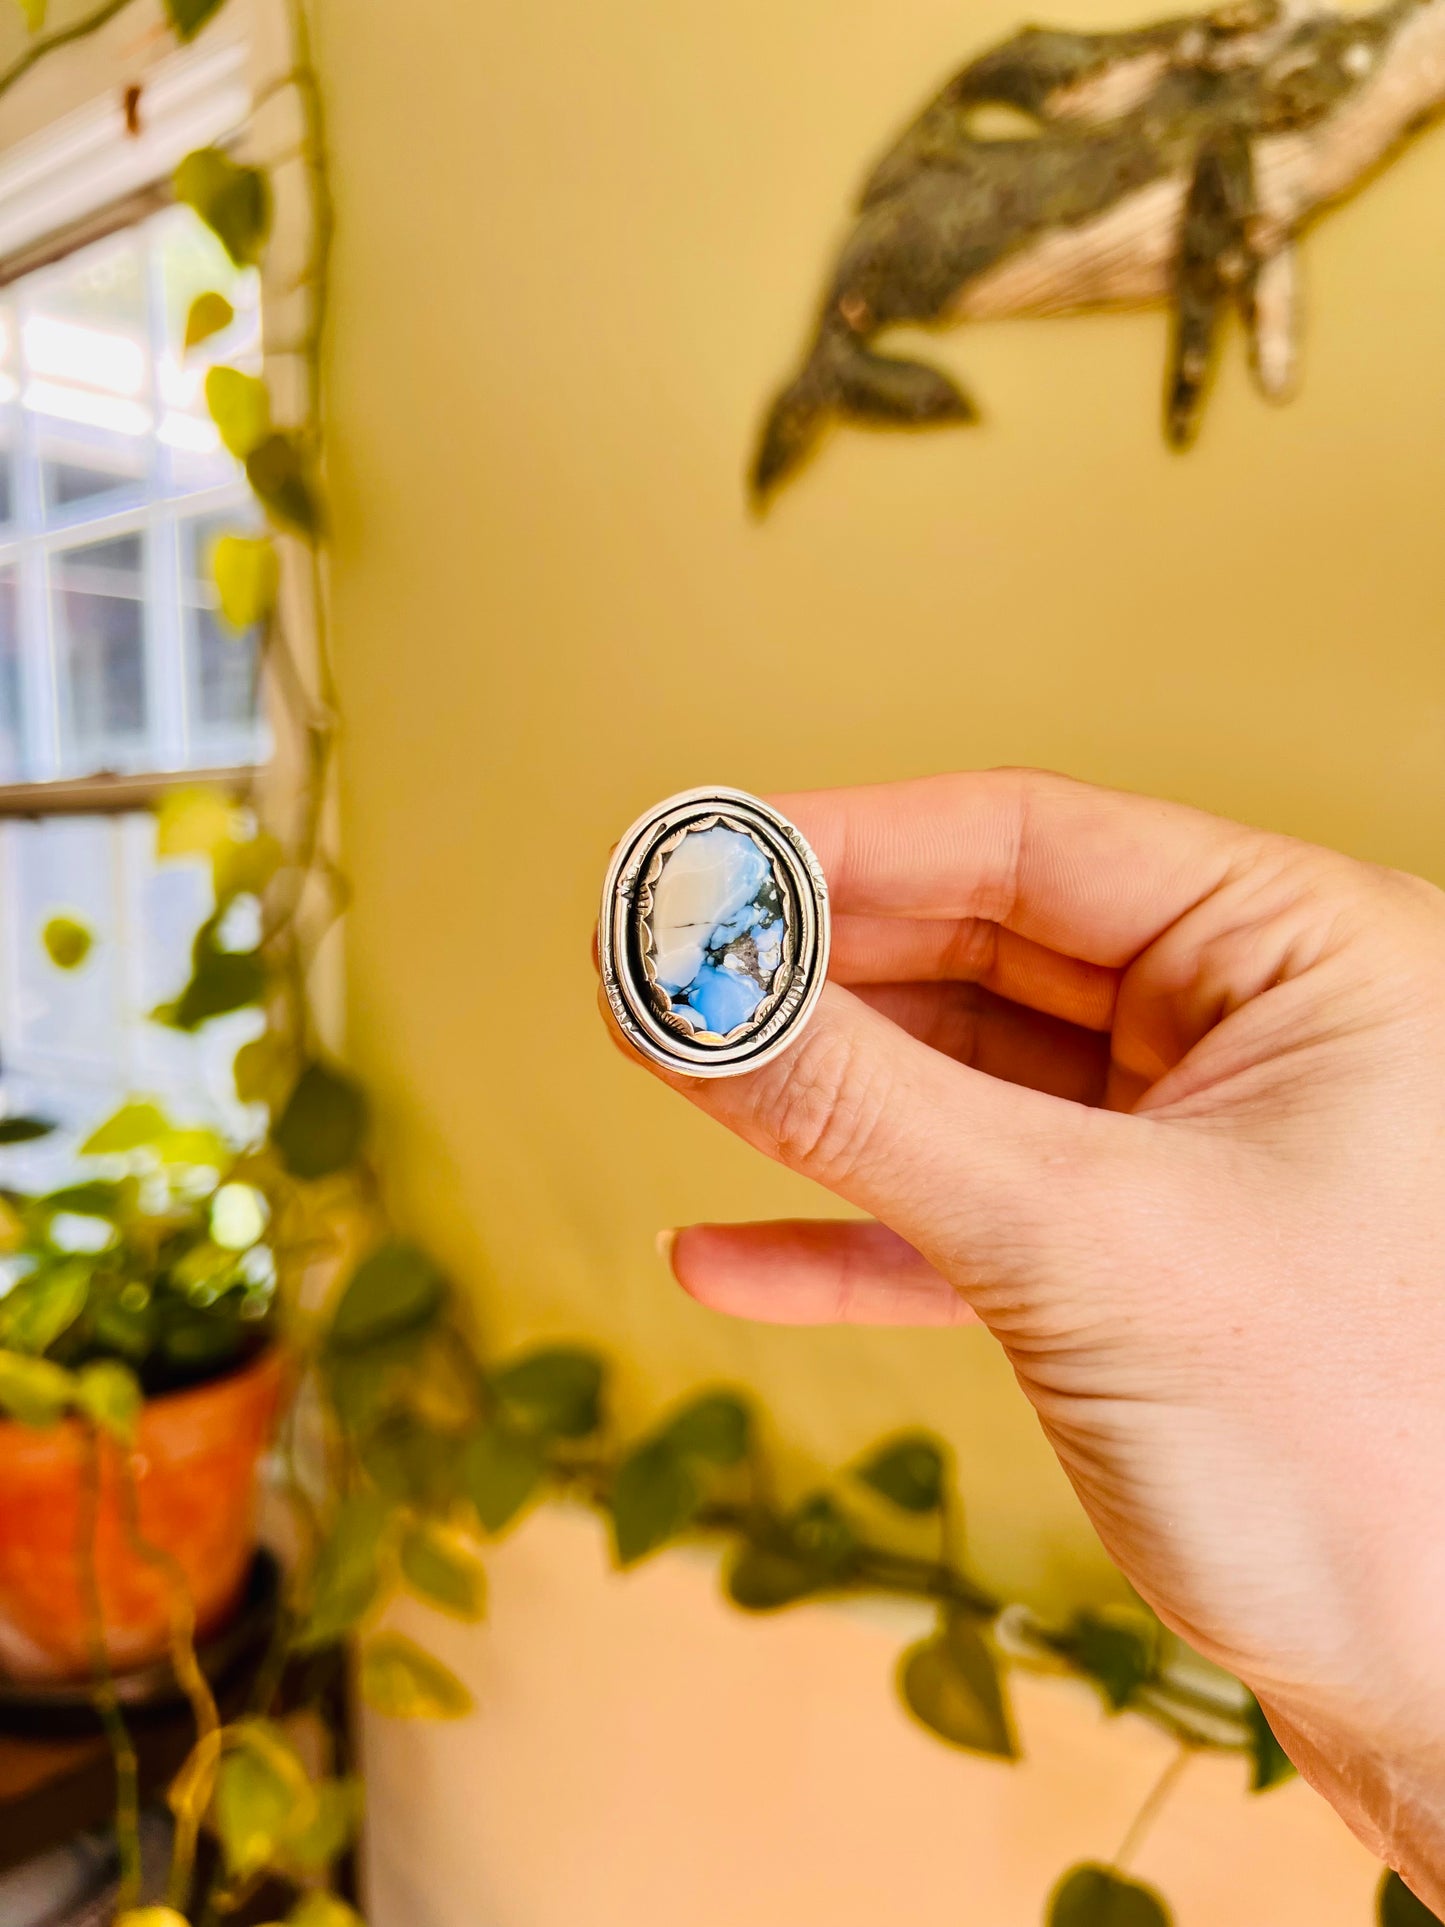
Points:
point(826, 1109)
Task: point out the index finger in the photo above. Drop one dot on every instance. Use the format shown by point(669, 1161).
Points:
point(1091, 873)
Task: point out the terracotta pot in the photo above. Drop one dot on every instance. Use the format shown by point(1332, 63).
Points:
point(194, 1465)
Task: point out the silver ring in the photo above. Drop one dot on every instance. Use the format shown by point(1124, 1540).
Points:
point(713, 936)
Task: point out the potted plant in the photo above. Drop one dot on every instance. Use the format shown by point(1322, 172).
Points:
point(139, 1383)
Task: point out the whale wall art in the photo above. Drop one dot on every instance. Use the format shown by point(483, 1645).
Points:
point(1176, 163)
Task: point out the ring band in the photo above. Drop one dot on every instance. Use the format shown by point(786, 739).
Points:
point(713, 935)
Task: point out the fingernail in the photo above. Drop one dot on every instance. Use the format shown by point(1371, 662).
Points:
point(664, 1242)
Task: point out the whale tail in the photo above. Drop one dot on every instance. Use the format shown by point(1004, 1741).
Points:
point(843, 377)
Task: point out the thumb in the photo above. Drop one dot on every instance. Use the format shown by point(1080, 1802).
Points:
point(986, 1178)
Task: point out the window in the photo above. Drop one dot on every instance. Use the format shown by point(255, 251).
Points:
point(114, 659)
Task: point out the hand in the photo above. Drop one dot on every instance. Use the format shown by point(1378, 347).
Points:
point(1162, 1101)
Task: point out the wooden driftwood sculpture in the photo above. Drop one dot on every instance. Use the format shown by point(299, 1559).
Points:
point(1176, 162)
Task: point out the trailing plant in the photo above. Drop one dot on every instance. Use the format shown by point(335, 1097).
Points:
point(406, 1450)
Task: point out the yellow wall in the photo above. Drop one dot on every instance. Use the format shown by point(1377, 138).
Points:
point(579, 245)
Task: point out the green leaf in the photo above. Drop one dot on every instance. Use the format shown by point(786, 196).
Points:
point(68, 942)
point(399, 1679)
point(189, 16)
point(38, 1309)
point(715, 1428)
point(33, 1390)
point(393, 1289)
point(126, 1130)
point(654, 1495)
point(1090, 1896)
point(314, 1849)
point(319, 1909)
point(34, 11)
point(823, 1533)
point(109, 1393)
point(240, 407)
point(501, 1470)
point(908, 1472)
point(1271, 1764)
point(413, 1464)
point(21, 1130)
point(952, 1683)
point(555, 1391)
point(762, 1579)
point(282, 479)
point(1117, 1652)
point(221, 981)
point(247, 575)
point(233, 201)
point(263, 1794)
point(362, 1385)
point(209, 314)
point(1396, 1906)
point(813, 1550)
point(347, 1575)
point(442, 1574)
point(93, 1198)
point(323, 1124)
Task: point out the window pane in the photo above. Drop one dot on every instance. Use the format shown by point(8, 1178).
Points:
point(86, 351)
point(220, 663)
point(75, 1044)
point(97, 602)
point(12, 741)
point(9, 393)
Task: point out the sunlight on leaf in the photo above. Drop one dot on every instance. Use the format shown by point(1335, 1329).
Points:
point(952, 1683)
point(1091, 1896)
point(34, 11)
point(194, 821)
point(209, 314)
point(263, 1794)
point(150, 1917)
point(68, 942)
point(233, 201)
point(127, 1129)
point(238, 1216)
point(33, 1390)
point(247, 575)
point(240, 407)
point(37, 1310)
point(109, 1393)
point(399, 1679)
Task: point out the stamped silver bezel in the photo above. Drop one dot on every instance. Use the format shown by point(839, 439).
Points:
point(623, 937)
